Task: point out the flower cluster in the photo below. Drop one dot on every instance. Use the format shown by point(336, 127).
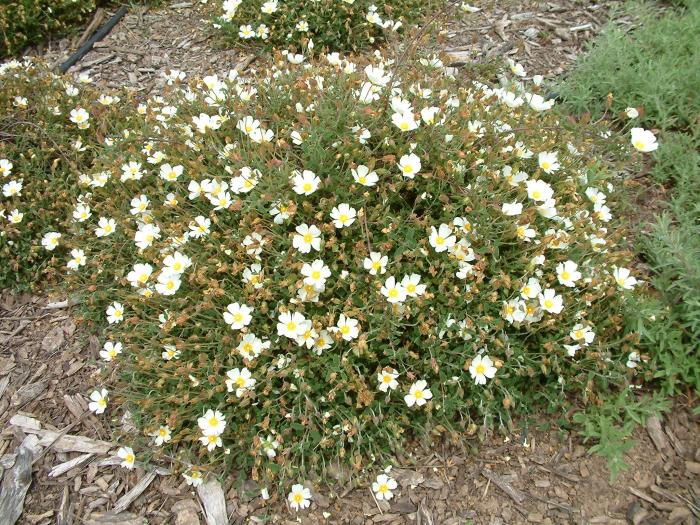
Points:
point(335, 25)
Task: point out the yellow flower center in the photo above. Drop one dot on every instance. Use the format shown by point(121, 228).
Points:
point(418, 394)
point(393, 293)
point(307, 186)
point(316, 275)
point(345, 329)
point(439, 240)
point(536, 194)
point(383, 488)
point(308, 238)
point(480, 369)
point(102, 403)
point(411, 288)
point(240, 382)
point(238, 317)
point(387, 378)
point(298, 497)
point(291, 326)
point(129, 458)
point(213, 422)
point(549, 303)
point(565, 276)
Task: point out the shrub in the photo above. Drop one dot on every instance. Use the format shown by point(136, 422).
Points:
point(42, 155)
point(25, 22)
point(336, 259)
point(335, 25)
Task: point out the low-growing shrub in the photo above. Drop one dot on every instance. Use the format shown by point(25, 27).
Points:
point(25, 22)
point(334, 25)
point(327, 262)
point(42, 156)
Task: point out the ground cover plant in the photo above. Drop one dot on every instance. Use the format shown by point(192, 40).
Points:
point(50, 129)
point(652, 79)
point(332, 25)
point(328, 262)
point(26, 22)
point(648, 77)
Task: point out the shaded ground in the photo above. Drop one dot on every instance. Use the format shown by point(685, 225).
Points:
point(45, 373)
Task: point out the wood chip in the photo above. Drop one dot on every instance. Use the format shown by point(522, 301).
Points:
point(15, 483)
point(62, 468)
point(502, 484)
point(657, 435)
point(212, 495)
point(127, 499)
point(111, 518)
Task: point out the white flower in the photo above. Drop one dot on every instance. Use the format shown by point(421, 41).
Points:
point(200, 227)
point(126, 454)
point(81, 213)
point(204, 122)
point(363, 176)
point(643, 140)
point(316, 273)
point(80, 117)
point(194, 478)
point(299, 497)
point(516, 68)
point(306, 238)
point(383, 487)
point(428, 115)
point(238, 315)
point(409, 165)
point(393, 291)
point(291, 324)
point(482, 369)
point(212, 423)
point(98, 401)
point(162, 435)
point(512, 208)
point(387, 379)
point(115, 313)
point(418, 394)
point(538, 103)
point(531, 290)
point(538, 190)
point(50, 240)
point(377, 76)
point(551, 302)
point(77, 259)
point(240, 380)
point(633, 360)
point(251, 346)
point(375, 263)
point(568, 274)
point(139, 275)
point(548, 161)
point(105, 227)
point(168, 283)
point(411, 283)
point(5, 167)
point(170, 173)
point(348, 327)
point(623, 278)
point(582, 334)
point(211, 441)
point(16, 216)
point(404, 121)
point(12, 188)
point(177, 263)
point(110, 351)
point(170, 352)
point(305, 183)
point(441, 239)
point(631, 113)
point(268, 446)
point(343, 215)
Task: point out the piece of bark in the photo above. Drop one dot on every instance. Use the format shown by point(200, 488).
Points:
point(212, 495)
point(15, 483)
point(657, 435)
point(58, 470)
point(186, 512)
point(502, 484)
point(110, 518)
point(65, 510)
point(127, 499)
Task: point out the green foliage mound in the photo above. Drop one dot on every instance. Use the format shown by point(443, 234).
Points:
point(26, 22)
point(332, 25)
